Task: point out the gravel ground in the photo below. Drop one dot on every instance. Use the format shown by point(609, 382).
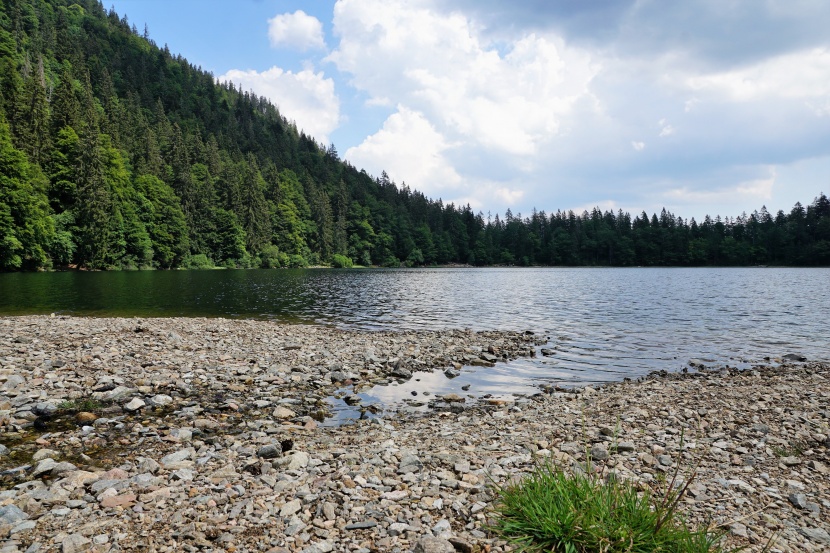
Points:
point(203, 435)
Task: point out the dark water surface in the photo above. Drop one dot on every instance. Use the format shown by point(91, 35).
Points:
point(604, 323)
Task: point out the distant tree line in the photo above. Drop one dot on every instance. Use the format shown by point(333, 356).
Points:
point(117, 154)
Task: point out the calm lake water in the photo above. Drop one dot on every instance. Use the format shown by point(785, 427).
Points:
point(605, 324)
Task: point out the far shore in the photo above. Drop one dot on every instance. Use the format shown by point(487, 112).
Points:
point(171, 434)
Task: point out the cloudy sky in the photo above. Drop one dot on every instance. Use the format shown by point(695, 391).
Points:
point(699, 106)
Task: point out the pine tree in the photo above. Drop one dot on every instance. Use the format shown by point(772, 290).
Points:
point(34, 135)
point(25, 227)
point(255, 219)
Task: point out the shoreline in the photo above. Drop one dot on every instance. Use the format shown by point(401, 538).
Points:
point(203, 438)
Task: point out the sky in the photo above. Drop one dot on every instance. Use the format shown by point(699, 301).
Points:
point(701, 107)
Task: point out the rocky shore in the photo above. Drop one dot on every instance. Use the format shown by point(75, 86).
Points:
point(204, 435)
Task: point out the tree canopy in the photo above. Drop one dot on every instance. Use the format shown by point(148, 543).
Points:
point(116, 153)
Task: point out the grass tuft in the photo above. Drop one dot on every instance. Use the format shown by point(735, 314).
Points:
point(555, 512)
point(78, 405)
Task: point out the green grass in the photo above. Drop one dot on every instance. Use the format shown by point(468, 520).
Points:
point(555, 512)
point(792, 450)
point(78, 405)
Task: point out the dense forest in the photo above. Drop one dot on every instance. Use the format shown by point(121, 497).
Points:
point(117, 154)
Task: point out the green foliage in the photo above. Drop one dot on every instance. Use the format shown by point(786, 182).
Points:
point(198, 261)
point(116, 154)
point(228, 243)
point(272, 258)
point(165, 222)
point(26, 231)
point(296, 261)
point(551, 511)
point(71, 406)
point(341, 262)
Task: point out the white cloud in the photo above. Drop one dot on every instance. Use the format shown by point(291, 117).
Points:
point(798, 75)
point(508, 103)
point(297, 30)
point(423, 167)
point(306, 97)
point(518, 116)
point(509, 196)
point(751, 192)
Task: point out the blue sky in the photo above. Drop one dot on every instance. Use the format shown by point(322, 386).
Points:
point(702, 106)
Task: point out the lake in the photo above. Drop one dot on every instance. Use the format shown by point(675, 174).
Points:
point(605, 324)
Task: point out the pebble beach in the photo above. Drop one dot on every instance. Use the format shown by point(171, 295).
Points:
point(188, 434)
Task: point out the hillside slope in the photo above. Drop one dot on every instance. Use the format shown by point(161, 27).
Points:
point(115, 153)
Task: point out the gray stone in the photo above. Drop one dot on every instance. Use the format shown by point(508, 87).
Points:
point(452, 373)
point(410, 463)
point(738, 529)
point(101, 485)
point(361, 525)
point(63, 467)
point(23, 526)
point(145, 480)
point(626, 447)
point(269, 451)
point(798, 500)
point(298, 460)
point(161, 400)
point(817, 466)
point(75, 543)
point(176, 457)
point(817, 535)
point(116, 394)
point(134, 405)
point(295, 526)
point(145, 464)
point(183, 474)
point(283, 413)
point(3, 450)
point(45, 409)
point(291, 508)
point(599, 453)
point(794, 357)
point(442, 529)
point(41, 454)
point(401, 373)
point(325, 546)
point(664, 460)
point(44, 466)
point(11, 514)
point(430, 544)
point(790, 461)
point(13, 382)
point(398, 528)
point(460, 545)
point(328, 510)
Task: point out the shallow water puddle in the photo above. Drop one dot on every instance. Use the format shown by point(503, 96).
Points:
point(505, 380)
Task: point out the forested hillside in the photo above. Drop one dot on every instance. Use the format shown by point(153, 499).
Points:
point(115, 153)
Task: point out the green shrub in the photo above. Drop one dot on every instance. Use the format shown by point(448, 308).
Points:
point(272, 258)
point(296, 261)
point(341, 261)
point(77, 405)
point(199, 261)
point(552, 511)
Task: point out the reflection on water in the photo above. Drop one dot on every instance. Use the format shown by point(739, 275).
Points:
point(604, 324)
